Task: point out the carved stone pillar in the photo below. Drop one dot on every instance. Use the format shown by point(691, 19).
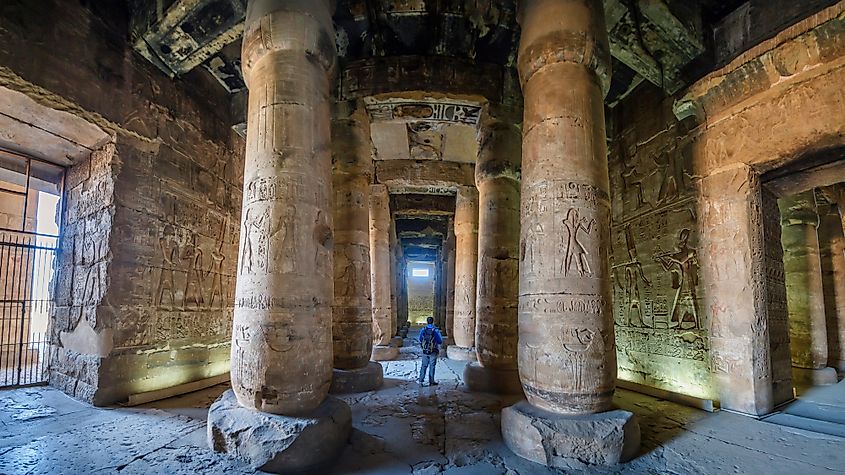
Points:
point(449, 247)
point(402, 298)
point(395, 339)
point(567, 361)
point(497, 180)
point(732, 238)
point(466, 267)
point(804, 290)
point(282, 329)
point(832, 242)
point(380, 273)
point(352, 322)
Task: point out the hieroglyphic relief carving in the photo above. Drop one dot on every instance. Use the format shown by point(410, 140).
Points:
point(573, 250)
point(428, 111)
point(683, 265)
point(633, 273)
point(256, 235)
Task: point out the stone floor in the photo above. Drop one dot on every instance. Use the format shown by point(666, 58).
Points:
point(401, 428)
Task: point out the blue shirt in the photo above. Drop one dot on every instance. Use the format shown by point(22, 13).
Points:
point(438, 340)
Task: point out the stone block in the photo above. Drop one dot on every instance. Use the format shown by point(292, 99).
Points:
point(359, 380)
point(384, 353)
point(275, 443)
point(562, 441)
point(490, 380)
point(460, 353)
point(397, 341)
point(803, 377)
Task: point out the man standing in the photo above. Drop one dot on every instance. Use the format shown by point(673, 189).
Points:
point(430, 341)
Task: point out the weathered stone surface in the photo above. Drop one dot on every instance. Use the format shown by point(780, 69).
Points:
point(566, 338)
point(803, 378)
point(281, 337)
point(466, 266)
point(561, 441)
point(497, 294)
point(384, 353)
point(279, 444)
point(352, 313)
point(380, 264)
point(803, 275)
point(461, 353)
point(357, 380)
point(491, 379)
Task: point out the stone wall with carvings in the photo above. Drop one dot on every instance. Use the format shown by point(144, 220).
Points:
point(145, 271)
point(662, 333)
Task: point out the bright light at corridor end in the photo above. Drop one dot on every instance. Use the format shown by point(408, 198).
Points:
point(419, 272)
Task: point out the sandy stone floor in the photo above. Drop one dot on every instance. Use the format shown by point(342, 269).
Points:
point(399, 429)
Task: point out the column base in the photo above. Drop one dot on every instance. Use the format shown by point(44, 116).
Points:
point(358, 380)
point(558, 440)
point(279, 444)
point(460, 353)
point(384, 353)
point(813, 377)
point(489, 380)
point(397, 341)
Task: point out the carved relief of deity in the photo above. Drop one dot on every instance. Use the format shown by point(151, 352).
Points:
point(683, 266)
point(575, 255)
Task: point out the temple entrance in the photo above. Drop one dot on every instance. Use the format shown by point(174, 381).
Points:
point(30, 197)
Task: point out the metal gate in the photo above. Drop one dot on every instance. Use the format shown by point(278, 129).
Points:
point(30, 193)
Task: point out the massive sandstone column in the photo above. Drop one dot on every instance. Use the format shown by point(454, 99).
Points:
point(395, 339)
point(567, 362)
point(282, 329)
point(380, 273)
point(497, 180)
point(466, 267)
point(352, 320)
point(449, 249)
point(832, 248)
point(804, 290)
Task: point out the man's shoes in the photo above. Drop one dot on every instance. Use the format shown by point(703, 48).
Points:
point(421, 383)
point(433, 383)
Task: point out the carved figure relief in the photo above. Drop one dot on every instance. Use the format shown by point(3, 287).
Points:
point(217, 258)
point(192, 255)
point(683, 266)
point(532, 245)
point(170, 255)
point(255, 250)
point(632, 271)
point(575, 255)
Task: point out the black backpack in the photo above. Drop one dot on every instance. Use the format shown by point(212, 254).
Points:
point(428, 341)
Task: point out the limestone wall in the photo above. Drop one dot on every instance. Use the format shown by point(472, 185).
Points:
point(145, 273)
point(768, 109)
point(662, 333)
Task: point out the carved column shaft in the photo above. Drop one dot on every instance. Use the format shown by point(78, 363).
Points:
point(394, 289)
point(352, 325)
point(804, 290)
point(281, 338)
point(450, 280)
point(832, 248)
point(497, 179)
point(567, 361)
point(466, 259)
point(380, 264)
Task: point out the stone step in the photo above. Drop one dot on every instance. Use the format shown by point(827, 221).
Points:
point(812, 425)
point(819, 412)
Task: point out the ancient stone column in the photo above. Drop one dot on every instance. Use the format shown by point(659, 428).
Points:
point(567, 360)
point(804, 290)
point(278, 413)
point(497, 180)
point(449, 249)
point(380, 273)
point(466, 266)
point(395, 339)
point(832, 248)
point(352, 321)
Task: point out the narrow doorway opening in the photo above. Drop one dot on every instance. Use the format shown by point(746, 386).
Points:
point(30, 222)
point(421, 291)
